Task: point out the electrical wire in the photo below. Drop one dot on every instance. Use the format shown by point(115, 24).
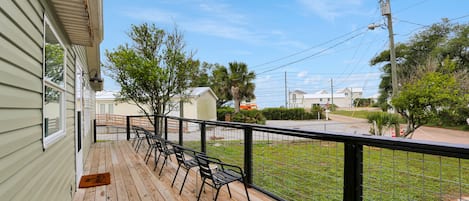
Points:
point(310, 48)
point(312, 55)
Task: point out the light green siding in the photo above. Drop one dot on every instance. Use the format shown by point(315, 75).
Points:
point(29, 172)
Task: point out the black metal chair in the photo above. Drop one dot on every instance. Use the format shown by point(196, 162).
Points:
point(139, 137)
point(184, 162)
point(222, 175)
point(162, 146)
point(151, 141)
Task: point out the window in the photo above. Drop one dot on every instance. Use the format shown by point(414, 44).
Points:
point(54, 85)
point(110, 108)
point(320, 100)
point(102, 109)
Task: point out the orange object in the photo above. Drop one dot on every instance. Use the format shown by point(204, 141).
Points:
point(248, 106)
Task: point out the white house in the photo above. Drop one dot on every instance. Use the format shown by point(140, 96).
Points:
point(342, 98)
point(201, 105)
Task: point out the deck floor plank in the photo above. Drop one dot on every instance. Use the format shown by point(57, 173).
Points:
point(132, 179)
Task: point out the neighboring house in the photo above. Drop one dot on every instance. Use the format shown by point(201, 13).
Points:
point(201, 104)
point(342, 98)
point(49, 72)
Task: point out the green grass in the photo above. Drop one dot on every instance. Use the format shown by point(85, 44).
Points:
point(357, 114)
point(313, 170)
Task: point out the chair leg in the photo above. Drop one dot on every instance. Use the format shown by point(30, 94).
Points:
point(218, 191)
point(201, 187)
point(185, 177)
point(155, 157)
point(161, 170)
point(246, 189)
point(148, 154)
point(229, 192)
point(179, 166)
point(156, 160)
point(137, 147)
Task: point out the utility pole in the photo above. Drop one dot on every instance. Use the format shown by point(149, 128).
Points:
point(386, 11)
point(286, 95)
point(332, 92)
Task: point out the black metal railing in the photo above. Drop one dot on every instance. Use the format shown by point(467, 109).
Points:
point(292, 164)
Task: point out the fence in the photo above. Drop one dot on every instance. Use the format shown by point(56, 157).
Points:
point(293, 164)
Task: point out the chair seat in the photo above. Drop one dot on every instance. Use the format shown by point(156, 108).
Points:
point(224, 177)
point(191, 163)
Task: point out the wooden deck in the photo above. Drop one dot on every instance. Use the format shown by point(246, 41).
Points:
point(132, 179)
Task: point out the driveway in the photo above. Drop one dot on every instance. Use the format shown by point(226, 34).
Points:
point(346, 124)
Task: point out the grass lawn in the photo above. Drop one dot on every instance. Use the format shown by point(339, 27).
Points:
point(313, 170)
point(357, 114)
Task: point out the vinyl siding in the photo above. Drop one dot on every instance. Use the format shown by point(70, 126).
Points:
point(28, 172)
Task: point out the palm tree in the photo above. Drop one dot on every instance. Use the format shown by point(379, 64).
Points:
point(242, 87)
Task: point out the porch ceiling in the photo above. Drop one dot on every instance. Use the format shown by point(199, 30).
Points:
point(81, 19)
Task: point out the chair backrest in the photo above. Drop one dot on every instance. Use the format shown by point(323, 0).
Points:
point(138, 131)
point(179, 152)
point(148, 137)
point(204, 166)
point(161, 145)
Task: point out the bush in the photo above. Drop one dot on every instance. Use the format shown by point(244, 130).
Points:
point(249, 116)
point(287, 114)
point(221, 112)
point(382, 119)
point(315, 110)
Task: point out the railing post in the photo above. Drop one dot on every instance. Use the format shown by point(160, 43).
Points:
point(166, 126)
point(94, 130)
point(248, 154)
point(203, 138)
point(155, 124)
point(128, 127)
point(180, 132)
point(353, 172)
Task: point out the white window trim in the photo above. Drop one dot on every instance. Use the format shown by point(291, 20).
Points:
point(54, 137)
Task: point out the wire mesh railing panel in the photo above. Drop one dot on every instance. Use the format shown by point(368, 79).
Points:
point(298, 168)
point(107, 133)
point(191, 135)
point(226, 143)
point(401, 175)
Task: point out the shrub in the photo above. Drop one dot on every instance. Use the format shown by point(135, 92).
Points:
point(249, 116)
point(318, 110)
point(221, 112)
point(287, 114)
point(382, 119)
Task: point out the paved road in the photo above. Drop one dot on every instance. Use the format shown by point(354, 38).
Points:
point(422, 133)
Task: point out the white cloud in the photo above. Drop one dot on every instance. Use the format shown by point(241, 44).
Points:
point(329, 10)
point(302, 74)
point(214, 19)
point(312, 80)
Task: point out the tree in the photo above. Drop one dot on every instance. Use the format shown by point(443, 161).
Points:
point(424, 99)
point(242, 87)
point(221, 85)
point(437, 42)
point(151, 70)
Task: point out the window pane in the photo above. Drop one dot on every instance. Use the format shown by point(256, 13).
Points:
point(111, 109)
point(52, 111)
point(54, 58)
point(102, 108)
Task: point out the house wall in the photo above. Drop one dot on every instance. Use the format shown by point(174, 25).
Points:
point(29, 172)
point(118, 108)
point(207, 107)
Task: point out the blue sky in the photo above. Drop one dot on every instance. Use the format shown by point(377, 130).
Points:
point(311, 41)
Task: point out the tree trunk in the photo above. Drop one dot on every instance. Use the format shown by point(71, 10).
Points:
point(236, 98)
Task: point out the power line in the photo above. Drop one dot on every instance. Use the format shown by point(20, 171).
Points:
point(312, 55)
point(310, 48)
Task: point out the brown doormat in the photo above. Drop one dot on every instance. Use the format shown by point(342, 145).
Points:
point(93, 180)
